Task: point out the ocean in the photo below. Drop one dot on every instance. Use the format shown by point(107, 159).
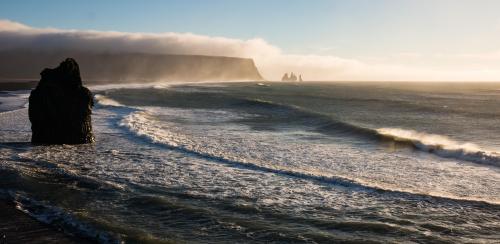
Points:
point(248, 162)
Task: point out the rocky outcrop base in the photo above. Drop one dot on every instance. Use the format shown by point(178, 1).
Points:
point(60, 107)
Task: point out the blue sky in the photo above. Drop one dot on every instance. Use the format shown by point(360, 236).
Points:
point(348, 27)
point(406, 32)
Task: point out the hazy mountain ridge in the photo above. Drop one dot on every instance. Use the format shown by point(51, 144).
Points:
point(128, 67)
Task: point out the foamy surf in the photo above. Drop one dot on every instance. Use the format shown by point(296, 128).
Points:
point(14, 100)
point(143, 124)
point(442, 146)
point(236, 161)
point(59, 218)
point(106, 101)
point(157, 84)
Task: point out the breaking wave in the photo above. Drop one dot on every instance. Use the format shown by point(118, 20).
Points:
point(436, 144)
point(296, 116)
point(59, 218)
point(143, 125)
point(442, 146)
point(106, 101)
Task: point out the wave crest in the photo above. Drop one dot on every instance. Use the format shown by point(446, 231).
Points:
point(106, 101)
point(143, 125)
point(442, 146)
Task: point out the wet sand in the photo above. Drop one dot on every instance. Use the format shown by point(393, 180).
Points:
point(18, 227)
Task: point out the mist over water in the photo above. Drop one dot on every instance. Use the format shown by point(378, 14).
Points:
point(283, 162)
point(271, 60)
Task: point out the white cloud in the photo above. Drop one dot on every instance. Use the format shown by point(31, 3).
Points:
point(7, 25)
point(271, 60)
point(15, 35)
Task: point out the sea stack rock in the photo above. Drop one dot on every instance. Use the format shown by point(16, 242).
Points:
point(60, 107)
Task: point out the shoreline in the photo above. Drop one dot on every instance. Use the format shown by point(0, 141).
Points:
point(16, 86)
point(18, 227)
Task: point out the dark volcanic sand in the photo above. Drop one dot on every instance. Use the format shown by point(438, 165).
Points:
point(17, 227)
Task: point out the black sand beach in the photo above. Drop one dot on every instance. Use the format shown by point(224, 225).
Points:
point(18, 227)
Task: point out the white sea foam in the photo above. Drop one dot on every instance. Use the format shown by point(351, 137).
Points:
point(14, 100)
point(220, 161)
point(443, 146)
point(334, 163)
point(53, 215)
point(158, 85)
point(106, 101)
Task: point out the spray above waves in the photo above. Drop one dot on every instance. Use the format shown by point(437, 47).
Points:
point(432, 141)
point(106, 101)
point(141, 85)
point(442, 146)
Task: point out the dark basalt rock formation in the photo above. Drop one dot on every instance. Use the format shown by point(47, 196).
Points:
point(292, 77)
point(60, 107)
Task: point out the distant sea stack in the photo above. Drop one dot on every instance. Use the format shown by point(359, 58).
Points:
point(292, 77)
point(60, 107)
point(130, 67)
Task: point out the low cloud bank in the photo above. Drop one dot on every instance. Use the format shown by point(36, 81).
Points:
point(271, 60)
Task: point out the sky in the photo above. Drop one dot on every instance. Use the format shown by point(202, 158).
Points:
point(322, 39)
